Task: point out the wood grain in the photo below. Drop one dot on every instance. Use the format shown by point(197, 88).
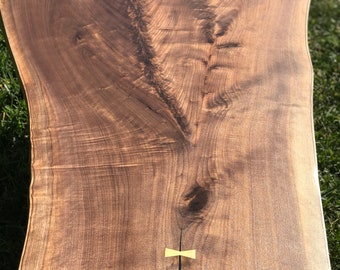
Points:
point(169, 124)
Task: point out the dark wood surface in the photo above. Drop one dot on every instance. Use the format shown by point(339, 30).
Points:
point(169, 124)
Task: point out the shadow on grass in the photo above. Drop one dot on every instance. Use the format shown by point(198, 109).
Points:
point(14, 162)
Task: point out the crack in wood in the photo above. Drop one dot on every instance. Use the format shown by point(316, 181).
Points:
point(180, 249)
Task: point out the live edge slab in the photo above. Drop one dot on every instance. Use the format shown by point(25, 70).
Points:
point(173, 134)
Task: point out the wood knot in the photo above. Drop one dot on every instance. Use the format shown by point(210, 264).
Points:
point(193, 205)
point(196, 199)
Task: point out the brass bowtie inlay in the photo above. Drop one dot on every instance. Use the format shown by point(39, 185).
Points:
point(185, 253)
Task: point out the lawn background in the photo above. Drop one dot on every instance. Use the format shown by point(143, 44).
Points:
point(324, 32)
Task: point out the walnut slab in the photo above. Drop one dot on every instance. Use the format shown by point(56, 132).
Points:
point(178, 124)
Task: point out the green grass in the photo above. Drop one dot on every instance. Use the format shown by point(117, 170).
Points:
point(324, 32)
point(14, 162)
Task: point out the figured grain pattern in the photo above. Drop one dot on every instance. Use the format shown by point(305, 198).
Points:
point(178, 124)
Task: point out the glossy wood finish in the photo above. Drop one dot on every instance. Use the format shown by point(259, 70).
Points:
point(169, 124)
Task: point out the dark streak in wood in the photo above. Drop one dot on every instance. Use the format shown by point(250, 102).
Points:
point(151, 70)
point(225, 22)
point(198, 200)
point(228, 45)
point(205, 13)
point(220, 99)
